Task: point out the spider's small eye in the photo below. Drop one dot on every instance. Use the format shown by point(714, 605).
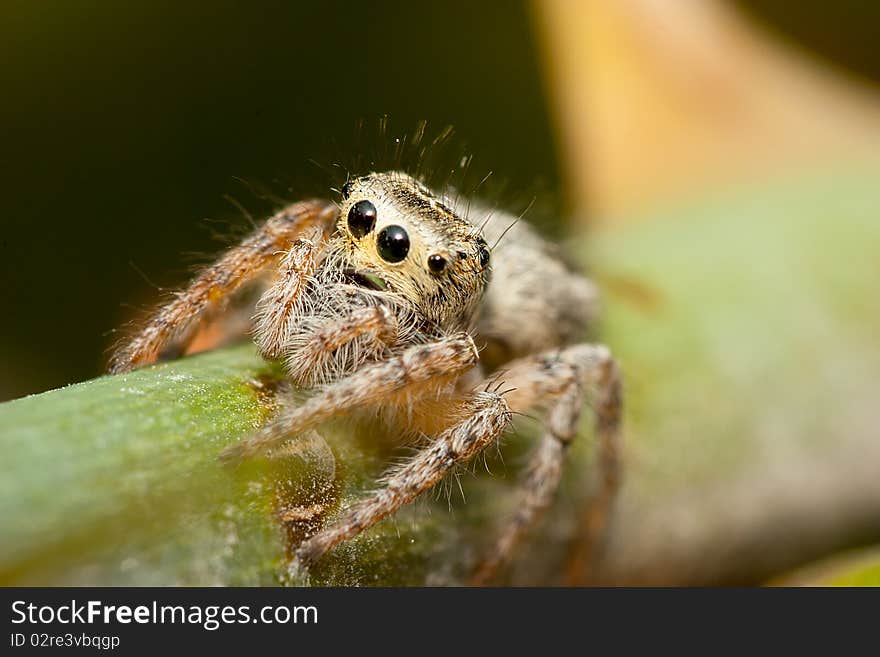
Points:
point(393, 243)
point(361, 218)
point(484, 257)
point(436, 263)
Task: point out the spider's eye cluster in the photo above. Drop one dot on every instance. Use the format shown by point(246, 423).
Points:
point(393, 243)
point(361, 218)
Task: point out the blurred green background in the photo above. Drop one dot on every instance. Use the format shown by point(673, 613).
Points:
point(124, 125)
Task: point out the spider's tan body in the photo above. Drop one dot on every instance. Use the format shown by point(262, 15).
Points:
point(382, 304)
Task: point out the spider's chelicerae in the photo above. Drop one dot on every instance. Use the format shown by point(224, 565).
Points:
point(392, 303)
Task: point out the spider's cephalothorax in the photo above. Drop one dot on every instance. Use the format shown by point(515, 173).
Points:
point(396, 229)
point(380, 303)
point(396, 249)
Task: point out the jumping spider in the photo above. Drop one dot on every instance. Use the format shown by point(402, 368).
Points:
point(381, 304)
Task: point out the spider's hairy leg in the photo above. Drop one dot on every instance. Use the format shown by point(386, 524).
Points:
point(487, 417)
point(558, 381)
point(173, 322)
point(434, 362)
point(276, 309)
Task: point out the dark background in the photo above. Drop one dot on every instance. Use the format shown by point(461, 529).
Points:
point(123, 125)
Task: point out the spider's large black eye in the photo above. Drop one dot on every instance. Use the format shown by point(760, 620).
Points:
point(361, 218)
point(393, 243)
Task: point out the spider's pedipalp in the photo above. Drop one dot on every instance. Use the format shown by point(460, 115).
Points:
point(314, 358)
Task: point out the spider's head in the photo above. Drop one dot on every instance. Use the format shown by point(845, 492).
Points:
point(399, 237)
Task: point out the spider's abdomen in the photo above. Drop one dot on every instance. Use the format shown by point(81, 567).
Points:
point(534, 301)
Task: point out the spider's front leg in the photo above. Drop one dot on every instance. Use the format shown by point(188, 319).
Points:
point(558, 382)
point(173, 323)
point(488, 417)
point(485, 414)
point(437, 362)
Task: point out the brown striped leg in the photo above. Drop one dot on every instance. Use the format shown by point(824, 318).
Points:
point(446, 358)
point(172, 323)
point(558, 382)
point(488, 417)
